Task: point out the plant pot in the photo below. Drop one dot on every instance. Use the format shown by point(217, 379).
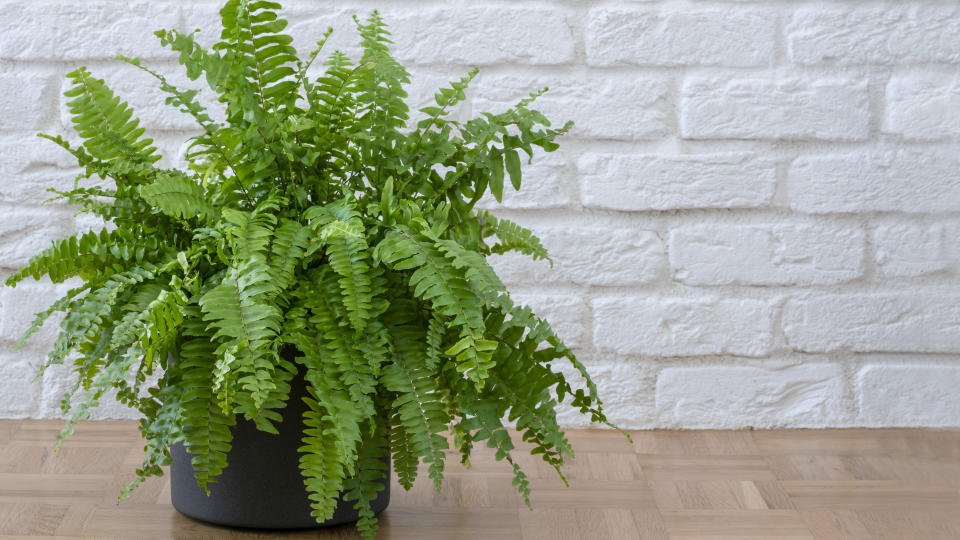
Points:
point(262, 486)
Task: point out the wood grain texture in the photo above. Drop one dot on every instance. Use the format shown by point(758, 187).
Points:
point(693, 485)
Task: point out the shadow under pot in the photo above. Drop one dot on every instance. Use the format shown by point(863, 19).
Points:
point(262, 486)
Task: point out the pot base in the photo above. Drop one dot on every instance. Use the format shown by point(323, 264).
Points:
point(259, 489)
point(262, 486)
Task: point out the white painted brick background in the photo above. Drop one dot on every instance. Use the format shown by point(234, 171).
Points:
point(754, 221)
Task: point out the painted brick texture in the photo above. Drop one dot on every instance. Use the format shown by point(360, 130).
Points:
point(753, 222)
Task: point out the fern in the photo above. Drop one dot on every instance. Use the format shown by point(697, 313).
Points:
point(437, 281)
point(313, 231)
point(178, 196)
point(370, 478)
point(104, 121)
point(348, 256)
point(417, 407)
point(512, 237)
point(206, 428)
point(321, 463)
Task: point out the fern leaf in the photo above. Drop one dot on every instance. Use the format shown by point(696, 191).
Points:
point(104, 121)
point(347, 253)
point(333, 430)
point(252, 33)
point(369, 480)
point(512, 237)
point(242, 315)
point(178, 196)
point(436, 280)
point(206, 428)
point(60, 305)
point(418, 406)
point(405, 457)
point(329, 317)
point(92, 256)
point(320, 462)
point(232, 309)
point(481, 276)
point(289, 245)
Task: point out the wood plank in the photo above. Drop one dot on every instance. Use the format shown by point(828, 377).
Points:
point(871, 493)
point(701, 524)
point(7, 429)
point(694, 443)
point(709, 485)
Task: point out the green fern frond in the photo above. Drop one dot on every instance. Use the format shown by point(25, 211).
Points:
point(348, 255)
point(364, 486)
point(328, 314)
point(206, 428)
point(417, 406)
point(436, 280)
point(233, 311)
point(62, 304)
point(178, 196)
point(252, 32)
point(436, 331)
point(91, 256)
point(288, 248)
point(104, 121)
point(320, 461)
point(512, 237)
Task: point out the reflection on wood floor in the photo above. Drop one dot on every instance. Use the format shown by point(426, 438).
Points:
point(778, 485)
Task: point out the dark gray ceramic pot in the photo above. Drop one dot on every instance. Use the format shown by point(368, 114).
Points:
point(261, 487)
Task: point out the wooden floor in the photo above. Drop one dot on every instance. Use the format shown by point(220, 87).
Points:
point(778, 485)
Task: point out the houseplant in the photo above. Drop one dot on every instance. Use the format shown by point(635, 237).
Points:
point(312, 234)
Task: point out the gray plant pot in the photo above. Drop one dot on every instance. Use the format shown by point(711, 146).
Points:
point(262, 486)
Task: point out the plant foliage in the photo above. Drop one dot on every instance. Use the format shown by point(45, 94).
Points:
point(318, 218)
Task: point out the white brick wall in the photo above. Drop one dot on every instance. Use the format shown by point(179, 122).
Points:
point(754, 221)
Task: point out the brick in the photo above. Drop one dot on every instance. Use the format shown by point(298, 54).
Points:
point(83, 30)
point(909, 395)
point(750, 107)
point(913, 249)
point(423, 36)
point(20, 393)
point(89, 222)
point(602, 107)
point(625, 390)
point(424, 83)
point(667, 37)
point(306, 24)
point(874, 35)
point(20, 304)
point(656, 182)
point(903, 322)
point(673, 326)
point(773, 254)
point(26, 231)
point(36, 165)
point(923, 107)
point(548, 182)
point(142, 92)
point(588, 256)
point(567, 315)
point(480, 35)
point(26, 99)
point(807, 395)
point(922, 180)
point(59, 379)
